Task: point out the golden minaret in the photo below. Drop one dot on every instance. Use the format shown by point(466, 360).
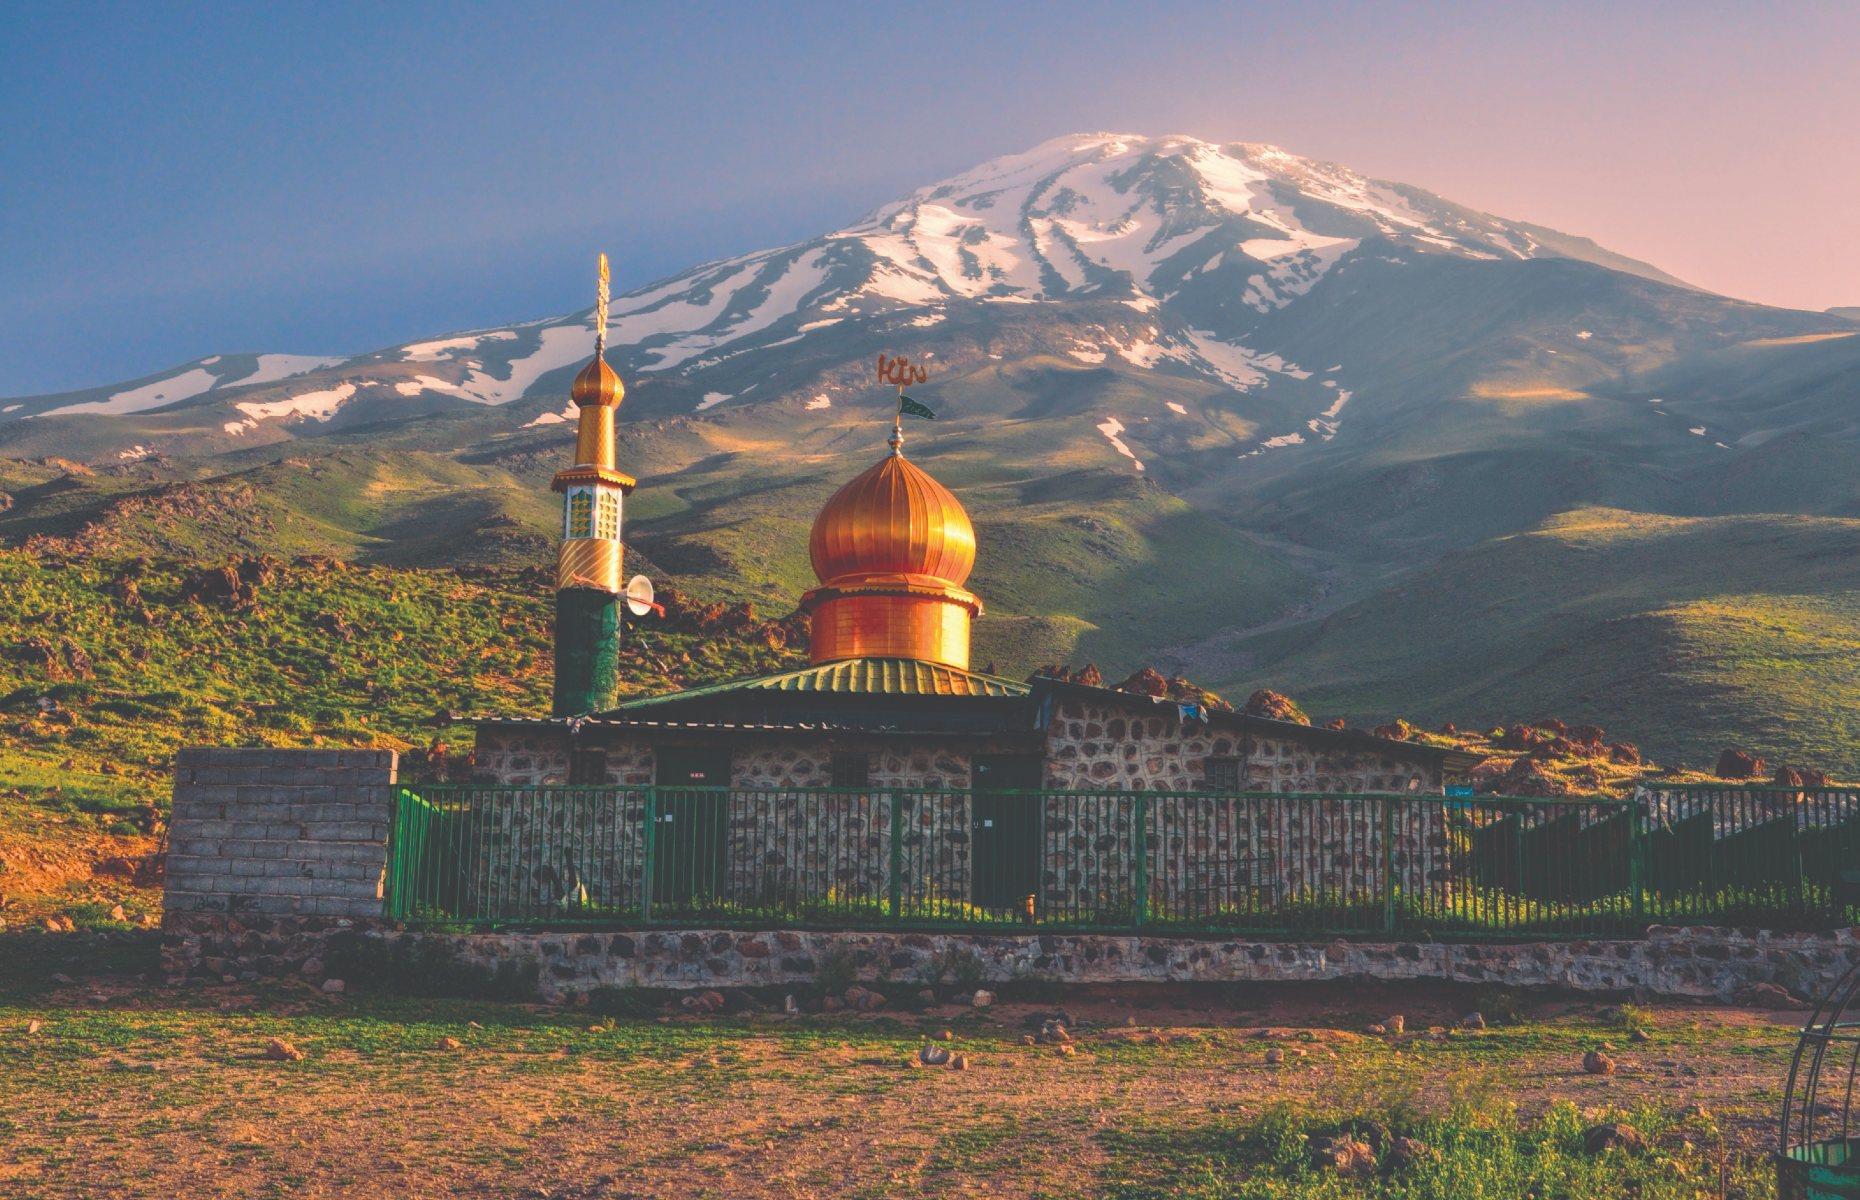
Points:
point(588, 566)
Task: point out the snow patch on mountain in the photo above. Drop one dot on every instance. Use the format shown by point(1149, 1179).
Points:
point(173, 389)
point(1111, 427)
point(319, 405)
point(569, 413)
point(560, 346)
point(453, 347)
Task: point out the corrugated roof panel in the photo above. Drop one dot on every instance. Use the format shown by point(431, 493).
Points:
point(858, 677)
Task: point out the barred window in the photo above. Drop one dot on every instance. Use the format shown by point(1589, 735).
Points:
point(1222, 774)
point(580, 515)
point(607, 518)
point(851, 769)
point(587, 767)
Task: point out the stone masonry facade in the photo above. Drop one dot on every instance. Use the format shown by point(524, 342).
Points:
point(274, 852)
point(1210, 855)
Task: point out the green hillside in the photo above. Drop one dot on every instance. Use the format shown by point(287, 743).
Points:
point(108, 666)
point(1691, 633)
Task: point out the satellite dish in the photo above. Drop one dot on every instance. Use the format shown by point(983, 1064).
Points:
point(639, 597)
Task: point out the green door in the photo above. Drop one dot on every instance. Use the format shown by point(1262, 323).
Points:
point(690, 849)
point(1004, 834)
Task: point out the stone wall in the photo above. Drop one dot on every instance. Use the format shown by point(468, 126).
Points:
point(1701, 963)
point(1121, 747)
point(276, 832)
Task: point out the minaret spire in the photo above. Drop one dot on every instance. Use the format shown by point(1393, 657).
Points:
point(588, 569)
point(600, 311)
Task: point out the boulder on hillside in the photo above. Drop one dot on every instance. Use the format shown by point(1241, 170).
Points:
point(1147, 682)
point(1738, 764)
point(1275, 706)
point(1625, 753)
point(1799, 777)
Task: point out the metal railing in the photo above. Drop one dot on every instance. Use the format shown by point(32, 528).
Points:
point(1189, 863)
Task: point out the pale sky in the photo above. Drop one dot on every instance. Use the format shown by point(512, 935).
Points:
point(331, 178)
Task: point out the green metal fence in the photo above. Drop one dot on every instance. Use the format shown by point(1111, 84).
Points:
point(1188, 863)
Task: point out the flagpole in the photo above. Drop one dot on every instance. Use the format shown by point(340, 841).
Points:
point(897, 424)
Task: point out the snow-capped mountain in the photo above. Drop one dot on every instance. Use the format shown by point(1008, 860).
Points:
point(1196, 245)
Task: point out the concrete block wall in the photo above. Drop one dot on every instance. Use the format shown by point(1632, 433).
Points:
point(279, 833)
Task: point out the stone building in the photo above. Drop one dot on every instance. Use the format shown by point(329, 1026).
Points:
point(889, 706)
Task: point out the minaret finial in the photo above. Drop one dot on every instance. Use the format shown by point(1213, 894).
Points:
point(600, 311)
point(896, 440)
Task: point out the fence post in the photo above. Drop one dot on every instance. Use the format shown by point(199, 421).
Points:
point(646, 858)
point(896, 897)
point(1637, 855)
point(1388, 864)
point(1140, 847)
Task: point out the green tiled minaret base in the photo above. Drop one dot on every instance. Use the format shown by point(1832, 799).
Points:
point(587, 651)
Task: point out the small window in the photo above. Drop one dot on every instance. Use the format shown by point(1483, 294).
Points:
point(587, 767)
point(852, 769)
point(580, 515)
point(1222, 774)
point(607, 517)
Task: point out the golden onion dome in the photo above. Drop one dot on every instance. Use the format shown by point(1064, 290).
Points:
point(894, 520)
point(598, 384)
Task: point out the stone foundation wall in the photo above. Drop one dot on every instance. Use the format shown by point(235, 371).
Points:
point(1699, 963)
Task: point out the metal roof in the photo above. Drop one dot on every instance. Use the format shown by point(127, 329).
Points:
point(854, 677)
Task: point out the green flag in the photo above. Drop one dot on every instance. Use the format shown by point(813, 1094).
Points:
point(910, 408)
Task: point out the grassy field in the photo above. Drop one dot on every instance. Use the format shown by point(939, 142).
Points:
point(128, 1090)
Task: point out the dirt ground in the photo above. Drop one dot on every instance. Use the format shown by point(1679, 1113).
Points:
point(125, 1090)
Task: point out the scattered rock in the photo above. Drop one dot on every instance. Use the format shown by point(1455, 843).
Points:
point(1274, 706)
point(831, 1004)
point(1598, 1139)
point(1376, 1030)
point(34, 1025)
point(334, 987)
point(948, 1035)
point(863, 999)
point(279, 1050)
point(926, 996)
point(1396, 1023)
point(1065, 1050)
point(1800, 777)
point(312, 967)
point(60, 923)
point(1639, 1037)
point(1597, 1063)
point(982, 998)
point(1344, 1155)
point(62, 978)
point(450, 1043)
point(1275, 1056)
point(1695, 1112)
point(1738, 764)
point(958, 1062)
point(704, 1002)
point(1054, 1032)
point(1404, 1152)
point(1473, 1020)
point(789, 1005)
point(932, 1056)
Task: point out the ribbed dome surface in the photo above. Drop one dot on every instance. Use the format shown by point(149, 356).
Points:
point(892, 520)
point(599, 384)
